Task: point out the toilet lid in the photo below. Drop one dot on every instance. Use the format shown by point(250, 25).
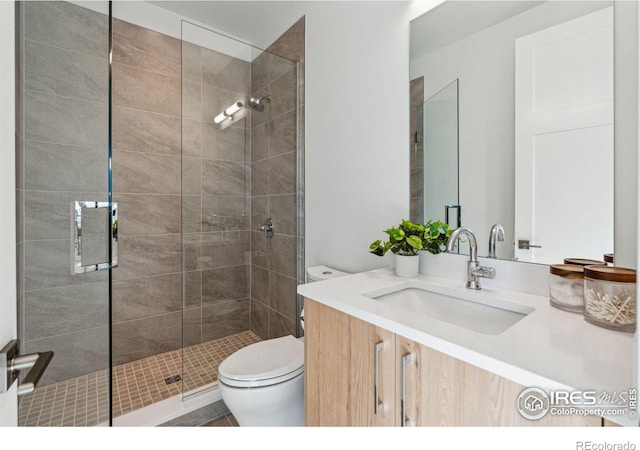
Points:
point(263, 363)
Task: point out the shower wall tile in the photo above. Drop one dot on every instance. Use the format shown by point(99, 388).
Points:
point(283, 207)
point(259, 319)
point(192, 138)
point(86, 167)
point(283, 260)
point(51, 312)
point(282, 294)
point(225, 145)
point(260, 71)
point(223, 178)
point(67, 26)
point(146, 49)
point(280, 326)
point(191, 213)
point(148, 296)
point(48, 265)
point(260, 284)
point(282, 174)
point(63, 120)
point(284, 92)
point(260, 142)
point(260, 210)
point(143, 214)
point(192, 326)
point(47, 214)
point(53, 70)
point(141, 256)
point(142, 131)
point(152, 335)
point(192, 175)
point(192, 289)
point(279, 66)
point(283, 134)
point(224, 284)
point(259, 251)
point(224, 319)
point(191, 100)
point(224, 213)
point(145, 90)
point(75, 354)
point(225, 72)
point(192, 251)
point(146, 173)
point(227, 248)
point(191, 64)
point(260, 177)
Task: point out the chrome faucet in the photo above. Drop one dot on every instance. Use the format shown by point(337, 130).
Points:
point(496, 234)
point(474, 269)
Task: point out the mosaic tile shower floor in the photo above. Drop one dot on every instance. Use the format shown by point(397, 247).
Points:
point(84, 401)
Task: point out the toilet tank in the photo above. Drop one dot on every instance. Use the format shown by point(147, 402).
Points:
point(320, 273)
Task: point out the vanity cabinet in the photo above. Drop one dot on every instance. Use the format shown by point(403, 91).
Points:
point(358, 374)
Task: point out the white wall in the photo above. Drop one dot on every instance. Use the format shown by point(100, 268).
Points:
point(8, 321)
point(484, 63)
point(357, 130)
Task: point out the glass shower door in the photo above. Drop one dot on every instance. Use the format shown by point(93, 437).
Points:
point(64, 217)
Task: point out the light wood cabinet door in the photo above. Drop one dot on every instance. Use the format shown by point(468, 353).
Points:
point(372, 375)
point(327, 361)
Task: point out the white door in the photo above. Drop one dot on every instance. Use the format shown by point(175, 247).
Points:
point(8, 313)
point(564, 140)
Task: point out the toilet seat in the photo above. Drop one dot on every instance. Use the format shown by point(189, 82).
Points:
point(264, 363)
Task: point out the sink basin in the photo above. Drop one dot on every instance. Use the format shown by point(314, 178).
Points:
point(473, 311)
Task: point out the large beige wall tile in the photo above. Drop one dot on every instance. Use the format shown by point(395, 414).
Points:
point(69, 26)
point(146, 49)
point(149, 91)
point(142, 131)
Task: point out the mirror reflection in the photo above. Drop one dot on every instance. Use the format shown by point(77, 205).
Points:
point(533, 125)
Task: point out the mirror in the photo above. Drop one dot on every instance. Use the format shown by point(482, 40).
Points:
point(535, 124)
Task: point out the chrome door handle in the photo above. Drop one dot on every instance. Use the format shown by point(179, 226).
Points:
point(404, 422)
point(76, 236)
point(525, 245)
point(378, 406)
point(11, 363)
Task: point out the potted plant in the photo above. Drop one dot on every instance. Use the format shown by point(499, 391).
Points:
point(408, 239)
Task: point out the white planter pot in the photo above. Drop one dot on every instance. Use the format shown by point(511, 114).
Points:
point(407, 266)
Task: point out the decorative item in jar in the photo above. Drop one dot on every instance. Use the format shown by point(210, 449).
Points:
point(610, 297)
point(566, 287)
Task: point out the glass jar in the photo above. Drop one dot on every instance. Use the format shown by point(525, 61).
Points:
point(583, 262)
point(610, 297)
point(566, 287)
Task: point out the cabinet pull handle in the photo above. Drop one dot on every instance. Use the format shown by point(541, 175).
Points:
point(406, 358)
point(378, 406)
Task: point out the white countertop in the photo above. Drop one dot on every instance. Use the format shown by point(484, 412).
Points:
point(549, 348)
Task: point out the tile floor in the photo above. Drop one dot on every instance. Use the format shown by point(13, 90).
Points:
point(84, 401)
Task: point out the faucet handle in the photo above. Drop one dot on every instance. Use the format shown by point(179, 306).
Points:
point(485, 272)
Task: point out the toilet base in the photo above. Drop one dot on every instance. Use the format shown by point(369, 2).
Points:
point(280, 405)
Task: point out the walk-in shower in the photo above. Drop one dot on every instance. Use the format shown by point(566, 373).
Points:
point(194, 280)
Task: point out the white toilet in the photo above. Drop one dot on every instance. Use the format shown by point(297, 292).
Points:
point(263, 384)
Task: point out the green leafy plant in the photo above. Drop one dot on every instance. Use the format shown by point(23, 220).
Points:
point(409, 238)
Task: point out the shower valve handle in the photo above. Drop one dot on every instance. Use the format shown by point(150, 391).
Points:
point(268, 228)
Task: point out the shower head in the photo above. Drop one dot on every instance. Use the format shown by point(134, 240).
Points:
point(258, 104)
